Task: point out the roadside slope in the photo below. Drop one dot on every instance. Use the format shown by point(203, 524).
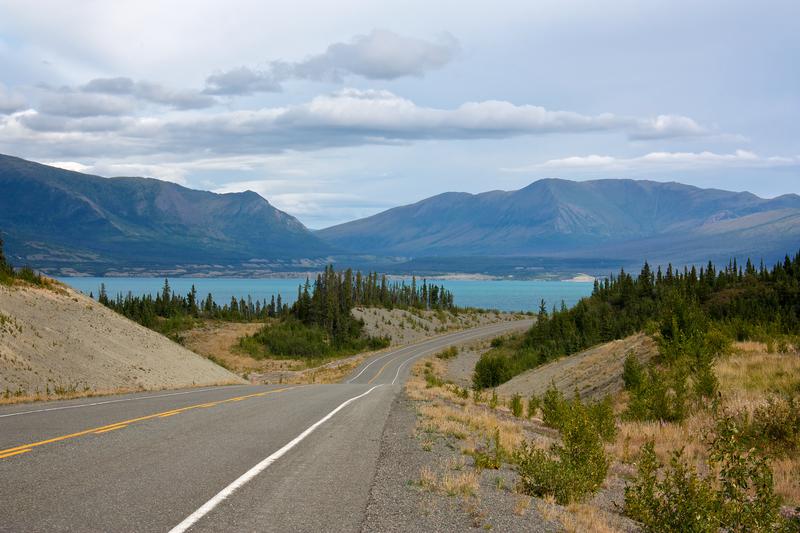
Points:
point(594, 372)
point(63, 342)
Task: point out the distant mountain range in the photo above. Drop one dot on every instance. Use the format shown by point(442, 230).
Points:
point(66, 223)
point(611, 219)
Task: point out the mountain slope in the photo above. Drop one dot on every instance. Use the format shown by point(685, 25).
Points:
point(53, 218)
point(602, 218)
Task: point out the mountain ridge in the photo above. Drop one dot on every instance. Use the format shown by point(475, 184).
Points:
point(552, 216)
point(105, 223)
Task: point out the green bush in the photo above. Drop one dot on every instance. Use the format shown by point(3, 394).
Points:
point(516, 405)
point(774, 427)
point(490, 371)
point(739, 498)
point(491, 456)
point(569, 471)
point(533, 405)
point(662, 395)
point(558, 412)
point(632, 372)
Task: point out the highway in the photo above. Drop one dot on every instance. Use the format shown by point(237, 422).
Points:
point(237, 458)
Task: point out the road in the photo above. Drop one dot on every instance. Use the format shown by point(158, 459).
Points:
point(237, 458)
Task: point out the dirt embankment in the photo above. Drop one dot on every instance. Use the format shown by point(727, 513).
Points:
point(407, 327)
point(595, 372)
point(56, 343)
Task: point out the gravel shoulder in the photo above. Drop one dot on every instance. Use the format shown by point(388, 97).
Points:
point(400, 501)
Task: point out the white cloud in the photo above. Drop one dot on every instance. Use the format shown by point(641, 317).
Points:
point(71, 124)
point(661, 160)
point(667, 126)
point(380, 55)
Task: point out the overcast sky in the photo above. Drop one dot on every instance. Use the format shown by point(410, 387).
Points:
point(337, 110)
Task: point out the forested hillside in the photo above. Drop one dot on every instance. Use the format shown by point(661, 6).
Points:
point(685, 309)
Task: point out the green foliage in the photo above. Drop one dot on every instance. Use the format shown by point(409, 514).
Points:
point(773, 427)
point(516, 405)
point(662, 395)
point(569, 471)
point(448, 353)
point(559, 413)
point(693, 312)
point(632, 372)
point(534, 402)
point(490, 371)
point(490, 457)
point(740, 497)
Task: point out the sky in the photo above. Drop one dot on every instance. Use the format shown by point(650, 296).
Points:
point(338, 110)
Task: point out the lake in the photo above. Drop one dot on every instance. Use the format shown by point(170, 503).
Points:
point(505, 295)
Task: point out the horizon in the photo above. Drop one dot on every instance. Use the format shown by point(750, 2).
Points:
point(334, 117)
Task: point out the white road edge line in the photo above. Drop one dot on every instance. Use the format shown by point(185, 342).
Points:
point(109, 401)
point(393, 352)
point(426, 352)
point(207, 507)
point(454, 336)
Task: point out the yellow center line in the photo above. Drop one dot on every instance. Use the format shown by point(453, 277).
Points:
point(382, 369)
point(13, 453)
point(8, 452)
point(111, 429)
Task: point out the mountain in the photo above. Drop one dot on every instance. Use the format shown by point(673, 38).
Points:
point(601, 219)
point(66, 222)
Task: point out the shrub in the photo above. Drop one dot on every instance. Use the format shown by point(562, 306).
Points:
point(739, 498)
point(568, 472)
point(493, 400)
point(489, 458)
point(774, 427)
point(632, 372)
point(533, 405)
point(448, 353)
point(516, 405)
point(490, 371)
point(662, 395)
point(558, 412)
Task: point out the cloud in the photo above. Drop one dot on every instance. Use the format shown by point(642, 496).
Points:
point(667, 126)
point(349, 117)
point(10, 102)
point(662, 160)
point(151, 92)
point(242, 81)
point(69, 104)
point(380, 55)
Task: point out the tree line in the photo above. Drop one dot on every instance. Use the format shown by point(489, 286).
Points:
point(739, 301)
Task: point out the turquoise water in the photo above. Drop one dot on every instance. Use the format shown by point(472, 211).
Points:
point(505, 295)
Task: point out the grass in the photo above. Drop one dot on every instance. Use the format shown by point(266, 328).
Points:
point(747, 379)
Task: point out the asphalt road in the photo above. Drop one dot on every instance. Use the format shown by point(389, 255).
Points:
point(240, 458)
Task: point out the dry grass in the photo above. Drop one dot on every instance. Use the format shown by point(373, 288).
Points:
point(578, 517)
point(522, 504)
point(746, 379)
point(461, 483)
point(667, 436)
point(443, 411)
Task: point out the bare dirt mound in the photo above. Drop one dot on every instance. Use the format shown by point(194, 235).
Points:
point(58, 342)
point(594, 372)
